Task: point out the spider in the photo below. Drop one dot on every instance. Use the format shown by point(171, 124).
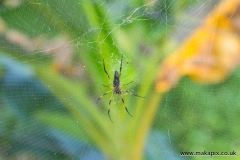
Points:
point(116, 88)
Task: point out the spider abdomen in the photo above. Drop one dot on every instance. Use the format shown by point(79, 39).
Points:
point(116, 80)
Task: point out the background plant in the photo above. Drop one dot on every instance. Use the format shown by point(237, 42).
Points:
point(51, 75)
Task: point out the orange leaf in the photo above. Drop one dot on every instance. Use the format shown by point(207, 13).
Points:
point(210, 54)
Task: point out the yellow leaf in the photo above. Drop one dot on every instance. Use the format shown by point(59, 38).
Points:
point(210, 54)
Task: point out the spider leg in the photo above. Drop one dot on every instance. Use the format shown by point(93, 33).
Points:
point(132, 93)
point(127, 83)
point(109, 107)
point(105, 70)
point(106, 86)
point(124, 104)
point(103, 95)
point(121, 66)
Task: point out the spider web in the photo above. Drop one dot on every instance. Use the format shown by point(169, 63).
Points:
point(123, 28)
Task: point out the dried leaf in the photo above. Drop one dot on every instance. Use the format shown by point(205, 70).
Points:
point(210, 54)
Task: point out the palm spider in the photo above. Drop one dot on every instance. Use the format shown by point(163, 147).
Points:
point(116, 88)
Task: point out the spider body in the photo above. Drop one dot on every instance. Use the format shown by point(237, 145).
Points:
point(116, 83)
point(116, 88)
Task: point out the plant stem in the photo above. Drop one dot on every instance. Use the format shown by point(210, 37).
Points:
point(145, 125)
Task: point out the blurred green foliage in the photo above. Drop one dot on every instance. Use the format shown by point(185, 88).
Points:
point(48, 115)
point(202, 117)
